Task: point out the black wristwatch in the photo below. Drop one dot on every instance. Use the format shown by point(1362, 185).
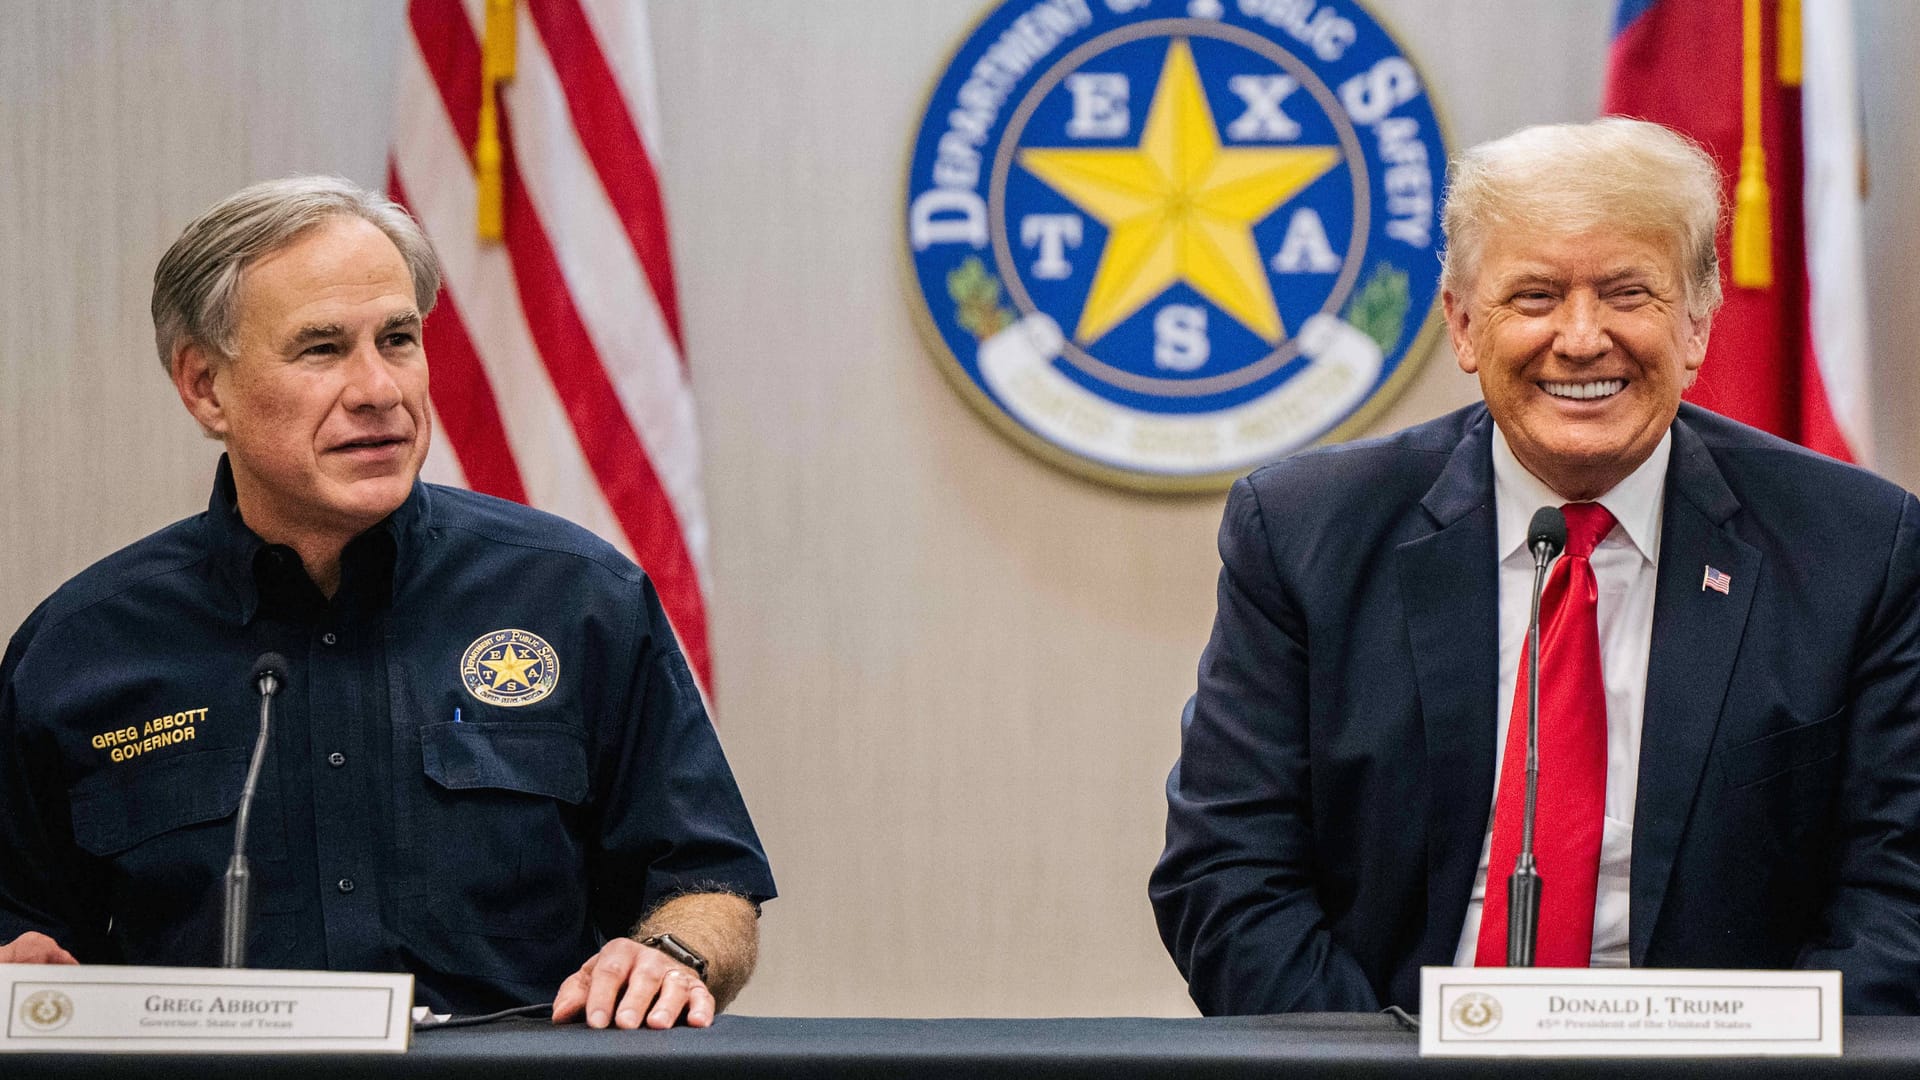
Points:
point(671, 945)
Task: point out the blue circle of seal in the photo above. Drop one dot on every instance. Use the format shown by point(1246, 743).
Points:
point(1159, 242)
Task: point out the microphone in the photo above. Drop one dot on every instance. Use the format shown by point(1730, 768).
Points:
point(1546, 536)
point(268, 676)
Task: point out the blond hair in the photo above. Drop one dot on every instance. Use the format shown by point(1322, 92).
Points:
point(1614, 173)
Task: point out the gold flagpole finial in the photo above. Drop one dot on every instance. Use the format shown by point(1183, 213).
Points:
point(1752, 240)
point(496, 65)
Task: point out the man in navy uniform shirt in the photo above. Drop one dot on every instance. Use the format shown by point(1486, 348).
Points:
point(490, 765)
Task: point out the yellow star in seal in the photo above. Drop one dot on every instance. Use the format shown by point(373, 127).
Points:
point(511, 667)
point(1180, 207)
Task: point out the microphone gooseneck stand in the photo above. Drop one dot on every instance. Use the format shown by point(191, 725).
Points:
point(269, 675)
point(1546, 536)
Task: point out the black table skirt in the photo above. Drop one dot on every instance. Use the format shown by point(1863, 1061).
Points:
point(1339, 1045)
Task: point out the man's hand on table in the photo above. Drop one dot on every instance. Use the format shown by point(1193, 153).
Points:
point(34, 947)
point(629, 984)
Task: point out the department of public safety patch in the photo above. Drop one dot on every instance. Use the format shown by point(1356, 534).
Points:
point(510, 667)
point(1162, 241)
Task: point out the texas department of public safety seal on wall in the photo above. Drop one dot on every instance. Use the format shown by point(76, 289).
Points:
point(1162, 241)
point(510, 667)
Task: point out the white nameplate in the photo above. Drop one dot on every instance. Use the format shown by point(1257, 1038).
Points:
point(1628, 1012)
point(102, 1009)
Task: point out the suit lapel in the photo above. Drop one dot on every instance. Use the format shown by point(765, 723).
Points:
point(1449, 586)
point(1696, 636)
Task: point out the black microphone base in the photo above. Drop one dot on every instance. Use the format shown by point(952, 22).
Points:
point(233, 945)
point(1523, 913)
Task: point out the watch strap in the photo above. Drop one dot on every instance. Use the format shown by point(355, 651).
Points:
point(677, 950)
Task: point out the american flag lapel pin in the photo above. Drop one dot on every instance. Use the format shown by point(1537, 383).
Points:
point(1718, 581)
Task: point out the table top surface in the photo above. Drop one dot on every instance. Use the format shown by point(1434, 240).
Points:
point(1324, 1044)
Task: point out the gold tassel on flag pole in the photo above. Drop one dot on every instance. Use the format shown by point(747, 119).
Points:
point(1788, 36)
point(496, 65)
point(1752, 202)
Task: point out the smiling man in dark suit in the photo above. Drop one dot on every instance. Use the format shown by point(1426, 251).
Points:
point(1752, 780)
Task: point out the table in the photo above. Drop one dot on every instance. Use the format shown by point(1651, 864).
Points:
point(1312, 1045)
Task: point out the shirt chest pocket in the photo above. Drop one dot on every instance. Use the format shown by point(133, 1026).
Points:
point(126, 806)
point(166, 825)
point(530, 758)
point(501, 815)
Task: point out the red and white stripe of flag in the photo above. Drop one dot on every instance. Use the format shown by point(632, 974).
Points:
point(1790, 356)
point(1835, 172)
point(559, 377)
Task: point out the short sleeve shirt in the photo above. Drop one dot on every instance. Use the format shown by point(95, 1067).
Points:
point(488, 758)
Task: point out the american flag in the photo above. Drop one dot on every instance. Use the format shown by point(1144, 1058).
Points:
point(559, 377)
point(1718, 581)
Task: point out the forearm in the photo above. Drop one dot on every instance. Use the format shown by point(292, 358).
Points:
point(1870, 927)
point(721, 927)
point(1241, 921)
point(1234, 891)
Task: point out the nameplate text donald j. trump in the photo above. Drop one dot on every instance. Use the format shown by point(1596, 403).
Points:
point(1628, 1012)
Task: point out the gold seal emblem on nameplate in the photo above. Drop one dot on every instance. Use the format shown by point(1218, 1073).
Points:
point(510, 667)
point(46, 1010)
point(1476, 1013)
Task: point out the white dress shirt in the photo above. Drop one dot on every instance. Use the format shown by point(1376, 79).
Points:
point(1626, 567)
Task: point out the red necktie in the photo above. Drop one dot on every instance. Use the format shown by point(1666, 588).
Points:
point(1573, 764)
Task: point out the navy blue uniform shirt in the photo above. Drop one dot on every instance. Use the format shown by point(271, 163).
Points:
point(489, 756)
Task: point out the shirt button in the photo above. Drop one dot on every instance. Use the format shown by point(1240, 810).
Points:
point(346, 884)
point(328, 638)
point(336, 759)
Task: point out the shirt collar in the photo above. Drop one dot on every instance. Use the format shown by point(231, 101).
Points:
point(247, 565)
point(1634, 502)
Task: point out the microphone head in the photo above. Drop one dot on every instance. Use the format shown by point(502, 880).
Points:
point(275, 665)
point(1548, 530)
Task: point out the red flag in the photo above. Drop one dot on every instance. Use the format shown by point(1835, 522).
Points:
point(1788, 351)
point(558, 377)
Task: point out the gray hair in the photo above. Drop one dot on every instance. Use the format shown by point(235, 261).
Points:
point(1614, 173)
point(196, 284)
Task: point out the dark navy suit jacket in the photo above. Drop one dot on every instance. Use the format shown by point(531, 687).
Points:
point(1336, 771)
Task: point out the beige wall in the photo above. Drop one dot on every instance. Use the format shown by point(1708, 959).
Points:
point(948, 675)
